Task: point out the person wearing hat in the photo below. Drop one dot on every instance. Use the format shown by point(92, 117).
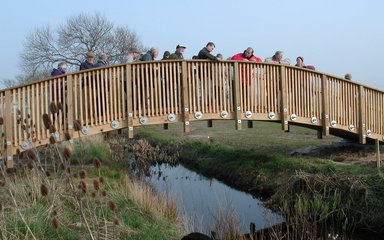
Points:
point(89, 62)
point(205, 53)
point(166, 55)
point(60, 70)
point(348, 76)
point(178, 54)
point(133, 55)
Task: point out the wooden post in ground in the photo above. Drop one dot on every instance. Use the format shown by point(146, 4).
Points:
point(236, 96)
point(362, 135)
point(210, 123)
point(128, 81)
point(325, 105)
point(378, 160)
point(8, 130)
point(185, 102)
point(283, 100)
point(165, 126)
point(250, 124)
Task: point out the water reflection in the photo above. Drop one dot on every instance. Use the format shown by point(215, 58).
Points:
point(202, 199)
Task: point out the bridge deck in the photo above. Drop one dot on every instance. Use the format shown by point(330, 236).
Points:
point(125, 96)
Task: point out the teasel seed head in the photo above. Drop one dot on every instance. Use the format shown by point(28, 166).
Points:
point(112, 205)
point(67, 153)
point(52, 129)
point(67, 136)
point(60, 106)
point(53, 108)
point(82, 174)
point(55, 223)
point(77, 125)
point(44, 190)
point(47, 121)
point(52, 140)
point(96, 185)
point(116, 221)
point(96, 163)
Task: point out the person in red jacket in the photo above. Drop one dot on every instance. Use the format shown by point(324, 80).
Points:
point(247, 55)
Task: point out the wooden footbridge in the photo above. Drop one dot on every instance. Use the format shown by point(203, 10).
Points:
point(163, 92)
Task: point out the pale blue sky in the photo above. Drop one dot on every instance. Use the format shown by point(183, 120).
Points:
point(336, 36)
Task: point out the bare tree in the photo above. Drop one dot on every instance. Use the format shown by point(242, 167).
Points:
point(45, 47)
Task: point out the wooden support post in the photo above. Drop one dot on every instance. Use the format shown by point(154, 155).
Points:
point(283, 100)
point(8, 130)
point(325, 105)
point(165, 126)
point(210, 123)
point(378, 160)
point(128, 82)
point(362, 135)
point(185, 102)
point(319, 134)
point(250, 124)
point(236, 95)
point(70, 104)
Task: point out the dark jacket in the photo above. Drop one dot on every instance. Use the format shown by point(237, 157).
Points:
point(147, 57)
point(204, 54)
point(57, 72)
point(86, 65)
point(176, 55)
point(101, 63)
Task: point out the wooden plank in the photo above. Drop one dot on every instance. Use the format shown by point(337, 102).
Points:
point(377, 146)
point(130, 98)
point(70, 87)
point(185, 103)
point(325, 105)
point(362, 135)
point(8, 130)
point(236, 96)
point(283, 100)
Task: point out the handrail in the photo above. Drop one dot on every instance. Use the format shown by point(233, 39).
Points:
point(159, 92)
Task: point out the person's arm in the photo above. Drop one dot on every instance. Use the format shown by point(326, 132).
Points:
point(146, 57)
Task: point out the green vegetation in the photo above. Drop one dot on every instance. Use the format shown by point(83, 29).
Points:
point(338, 194)
point(92, 201)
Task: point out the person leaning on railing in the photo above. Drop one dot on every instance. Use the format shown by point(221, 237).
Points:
point(103, 60)
point(247, 55)
point(348, 76)
point(60, 70)
point(178, 54)
point(89, 62)
point(300, 63)
point(205, 53)
point(150, 55)
point(278, 58)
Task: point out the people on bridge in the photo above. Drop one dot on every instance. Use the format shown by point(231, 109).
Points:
point(150, 55)
point(247, 55)
point(89, 62)
point(133, 55)
point(166, 55)
point(60, 70)
point(348, 76)
point(103, 60)
point(300, 63)
point(178, 54)
point(278, 58)
point(205, 53)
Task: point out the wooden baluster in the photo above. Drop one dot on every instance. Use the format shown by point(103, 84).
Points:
point(283, 100)
point(186, 107)
point(130, 99)
point(325, 104)
point(8, 129)
point(70, 102)
point(236, 96)
point(362, 135)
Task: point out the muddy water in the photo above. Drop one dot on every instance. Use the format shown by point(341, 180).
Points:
point(203, 200)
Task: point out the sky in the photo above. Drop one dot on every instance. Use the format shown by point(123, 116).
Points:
point(335, 36)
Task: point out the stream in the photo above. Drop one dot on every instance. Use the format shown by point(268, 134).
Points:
point(203, 200)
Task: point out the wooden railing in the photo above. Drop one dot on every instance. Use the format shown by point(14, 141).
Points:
point(125, 96)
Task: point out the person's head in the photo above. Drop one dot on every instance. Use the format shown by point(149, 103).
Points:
point(166, 55)
point(248, 53)
point(103, 57)
point(154, 52)
point(299, 61)
point(134, 52)
point(180, 48)
point(348, 76)
point(210, 46)
point(219, 56)
point(62, 66)
point(90, 57)
point(278, 56)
